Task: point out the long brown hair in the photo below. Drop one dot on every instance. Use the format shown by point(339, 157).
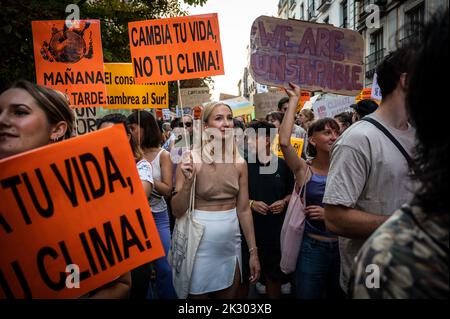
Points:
point(52, 102)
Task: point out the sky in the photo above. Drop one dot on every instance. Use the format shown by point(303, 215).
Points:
point(235, 21)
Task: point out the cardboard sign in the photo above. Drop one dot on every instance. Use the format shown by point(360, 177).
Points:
point(267, 102)
point(331, 106)
point(317, 57)
point(123, 93)
point(77, 203)
point(70, 60)
point(86, 120)
point(296, 142)
point(176, 48)
point(224, 96)
point(195, 96)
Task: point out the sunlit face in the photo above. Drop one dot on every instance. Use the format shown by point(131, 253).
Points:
point(302, 118)
point(23, 124)
point(274, 121)
point(137, 132)
point(324, 140)
point(220, 118)
point(284, 107)
point(257, 142)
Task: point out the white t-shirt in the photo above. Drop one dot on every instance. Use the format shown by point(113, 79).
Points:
point(368, 173)
point(157, 201)
point(145, 171)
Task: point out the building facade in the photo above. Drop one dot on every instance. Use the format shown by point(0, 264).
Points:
point(384, 24)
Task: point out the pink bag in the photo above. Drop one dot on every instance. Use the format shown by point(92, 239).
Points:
point(292, 230)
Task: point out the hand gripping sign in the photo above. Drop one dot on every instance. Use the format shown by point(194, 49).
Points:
point(176, 48)
point(317, 57)
point(77, 202)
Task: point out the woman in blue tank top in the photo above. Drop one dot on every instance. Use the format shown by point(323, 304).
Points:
point(318, 265)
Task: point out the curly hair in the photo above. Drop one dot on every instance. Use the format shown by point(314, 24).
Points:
point(432, 151)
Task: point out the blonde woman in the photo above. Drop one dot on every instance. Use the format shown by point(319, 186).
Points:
point(32, 116)
point(221, 204)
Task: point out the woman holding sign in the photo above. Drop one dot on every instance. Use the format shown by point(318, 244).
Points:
point(145, 129)
point(317, 272)
point(33, 116)
point(221, 204)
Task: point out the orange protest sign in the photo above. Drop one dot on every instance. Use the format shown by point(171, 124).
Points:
point(70, 60)
point(176, 48)
point(296, 142)
point(366, 94)
point(78, 205)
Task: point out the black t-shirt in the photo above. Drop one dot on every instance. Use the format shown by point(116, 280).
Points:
point(269, 188)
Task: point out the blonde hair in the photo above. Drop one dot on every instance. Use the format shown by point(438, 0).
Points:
point(207, 146)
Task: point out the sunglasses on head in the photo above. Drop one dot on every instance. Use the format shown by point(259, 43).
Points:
point(187, 124)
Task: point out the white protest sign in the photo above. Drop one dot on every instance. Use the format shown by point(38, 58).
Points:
point(166, 114)
point(330, 106)
point(376, 91)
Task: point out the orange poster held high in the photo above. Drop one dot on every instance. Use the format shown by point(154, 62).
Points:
point(71, 60)
point(176, 48)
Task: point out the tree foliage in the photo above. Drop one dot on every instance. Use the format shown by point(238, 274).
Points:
point(16, 40)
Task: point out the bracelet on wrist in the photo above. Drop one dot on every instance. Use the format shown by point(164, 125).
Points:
point(250, 202)
point(252, 249)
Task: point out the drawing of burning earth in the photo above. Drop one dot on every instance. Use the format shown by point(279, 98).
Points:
point(67, 45)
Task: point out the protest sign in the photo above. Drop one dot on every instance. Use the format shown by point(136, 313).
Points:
point(77, 204)
point(296, 142)
point(317, 57)
point(376, 91)
point(267, 102)
point(239, 105)
point(197, 112)
point(70, 60)
point(166, 114)
point(86, 120)
point(176, 48)
point(123, 93)
point(195, 96)
point(330, 106)
point(365, 94)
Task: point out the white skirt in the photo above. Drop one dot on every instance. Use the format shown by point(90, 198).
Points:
point(218, 252)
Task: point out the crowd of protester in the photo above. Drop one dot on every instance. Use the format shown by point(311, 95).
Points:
point(373, 181)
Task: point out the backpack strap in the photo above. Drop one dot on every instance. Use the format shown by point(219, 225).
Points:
point(393, 140)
